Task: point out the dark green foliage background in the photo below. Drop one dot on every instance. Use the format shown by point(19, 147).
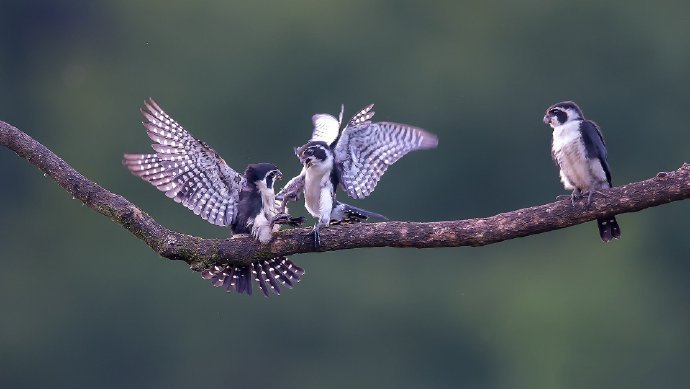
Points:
point(84, 304)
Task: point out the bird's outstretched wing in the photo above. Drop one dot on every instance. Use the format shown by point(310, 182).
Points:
point(595, 145)
point(186, 169)
point(291, 191)
point(365, 150)
point(362, 116)
point(326, 128)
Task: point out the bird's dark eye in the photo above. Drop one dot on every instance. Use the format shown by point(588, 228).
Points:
point(553, 111)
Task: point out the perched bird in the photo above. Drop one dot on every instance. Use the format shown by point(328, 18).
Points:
point(579, 151)
point(193, 174)
point(354, 159)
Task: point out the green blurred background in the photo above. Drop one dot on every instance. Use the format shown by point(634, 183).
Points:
point(85, 304)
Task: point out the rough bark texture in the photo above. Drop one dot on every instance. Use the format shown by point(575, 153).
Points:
point(199, 252)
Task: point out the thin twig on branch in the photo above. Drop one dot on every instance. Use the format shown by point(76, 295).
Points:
point(199, 252)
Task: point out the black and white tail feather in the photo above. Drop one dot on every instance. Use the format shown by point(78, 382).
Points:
point(191, 173)
point(346, 213)
point(608, 228)
point(269, 275)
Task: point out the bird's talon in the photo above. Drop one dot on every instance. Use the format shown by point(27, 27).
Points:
point(279, 218)
point(283, 218)
point(591, 193)
point(296, 221)
point(317, 236)
point(573, 196)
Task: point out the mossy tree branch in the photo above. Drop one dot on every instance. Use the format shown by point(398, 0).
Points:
point(199, 252)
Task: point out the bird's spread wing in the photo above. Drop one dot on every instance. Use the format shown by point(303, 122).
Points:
point(292, 190)
point(364, 152)
point(186, 169)
point(595, 145)
point(362, 116)
point(326, 128)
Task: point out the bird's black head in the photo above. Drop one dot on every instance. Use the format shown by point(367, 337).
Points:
point(561, 113)
point(312, 153)
point(265, 173)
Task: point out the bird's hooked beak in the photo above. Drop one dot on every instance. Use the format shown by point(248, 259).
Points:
point(306, 161)
point(547, 119)
point(279, 175)
point(299, 152)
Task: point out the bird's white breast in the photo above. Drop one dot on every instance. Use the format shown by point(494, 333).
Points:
point(262, 228)
point(316, 179)
point(566, 134)
point(569, 150)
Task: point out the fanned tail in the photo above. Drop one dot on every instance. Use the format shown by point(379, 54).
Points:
point(268, 275)
point(608, 228)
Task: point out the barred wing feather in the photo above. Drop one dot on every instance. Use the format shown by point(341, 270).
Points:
point(362, 116)
point(186, 169)
point(326, 128)
point(364, 152)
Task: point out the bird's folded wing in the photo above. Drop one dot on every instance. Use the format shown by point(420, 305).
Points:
point(595, 145)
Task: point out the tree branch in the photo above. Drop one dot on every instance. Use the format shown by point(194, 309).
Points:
point(199, 252)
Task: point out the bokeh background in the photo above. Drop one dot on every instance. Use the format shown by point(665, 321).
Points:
point(85, 304)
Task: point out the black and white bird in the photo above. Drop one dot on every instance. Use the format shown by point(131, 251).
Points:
point(193, 174)
point(579, 151)
point(354, 159)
